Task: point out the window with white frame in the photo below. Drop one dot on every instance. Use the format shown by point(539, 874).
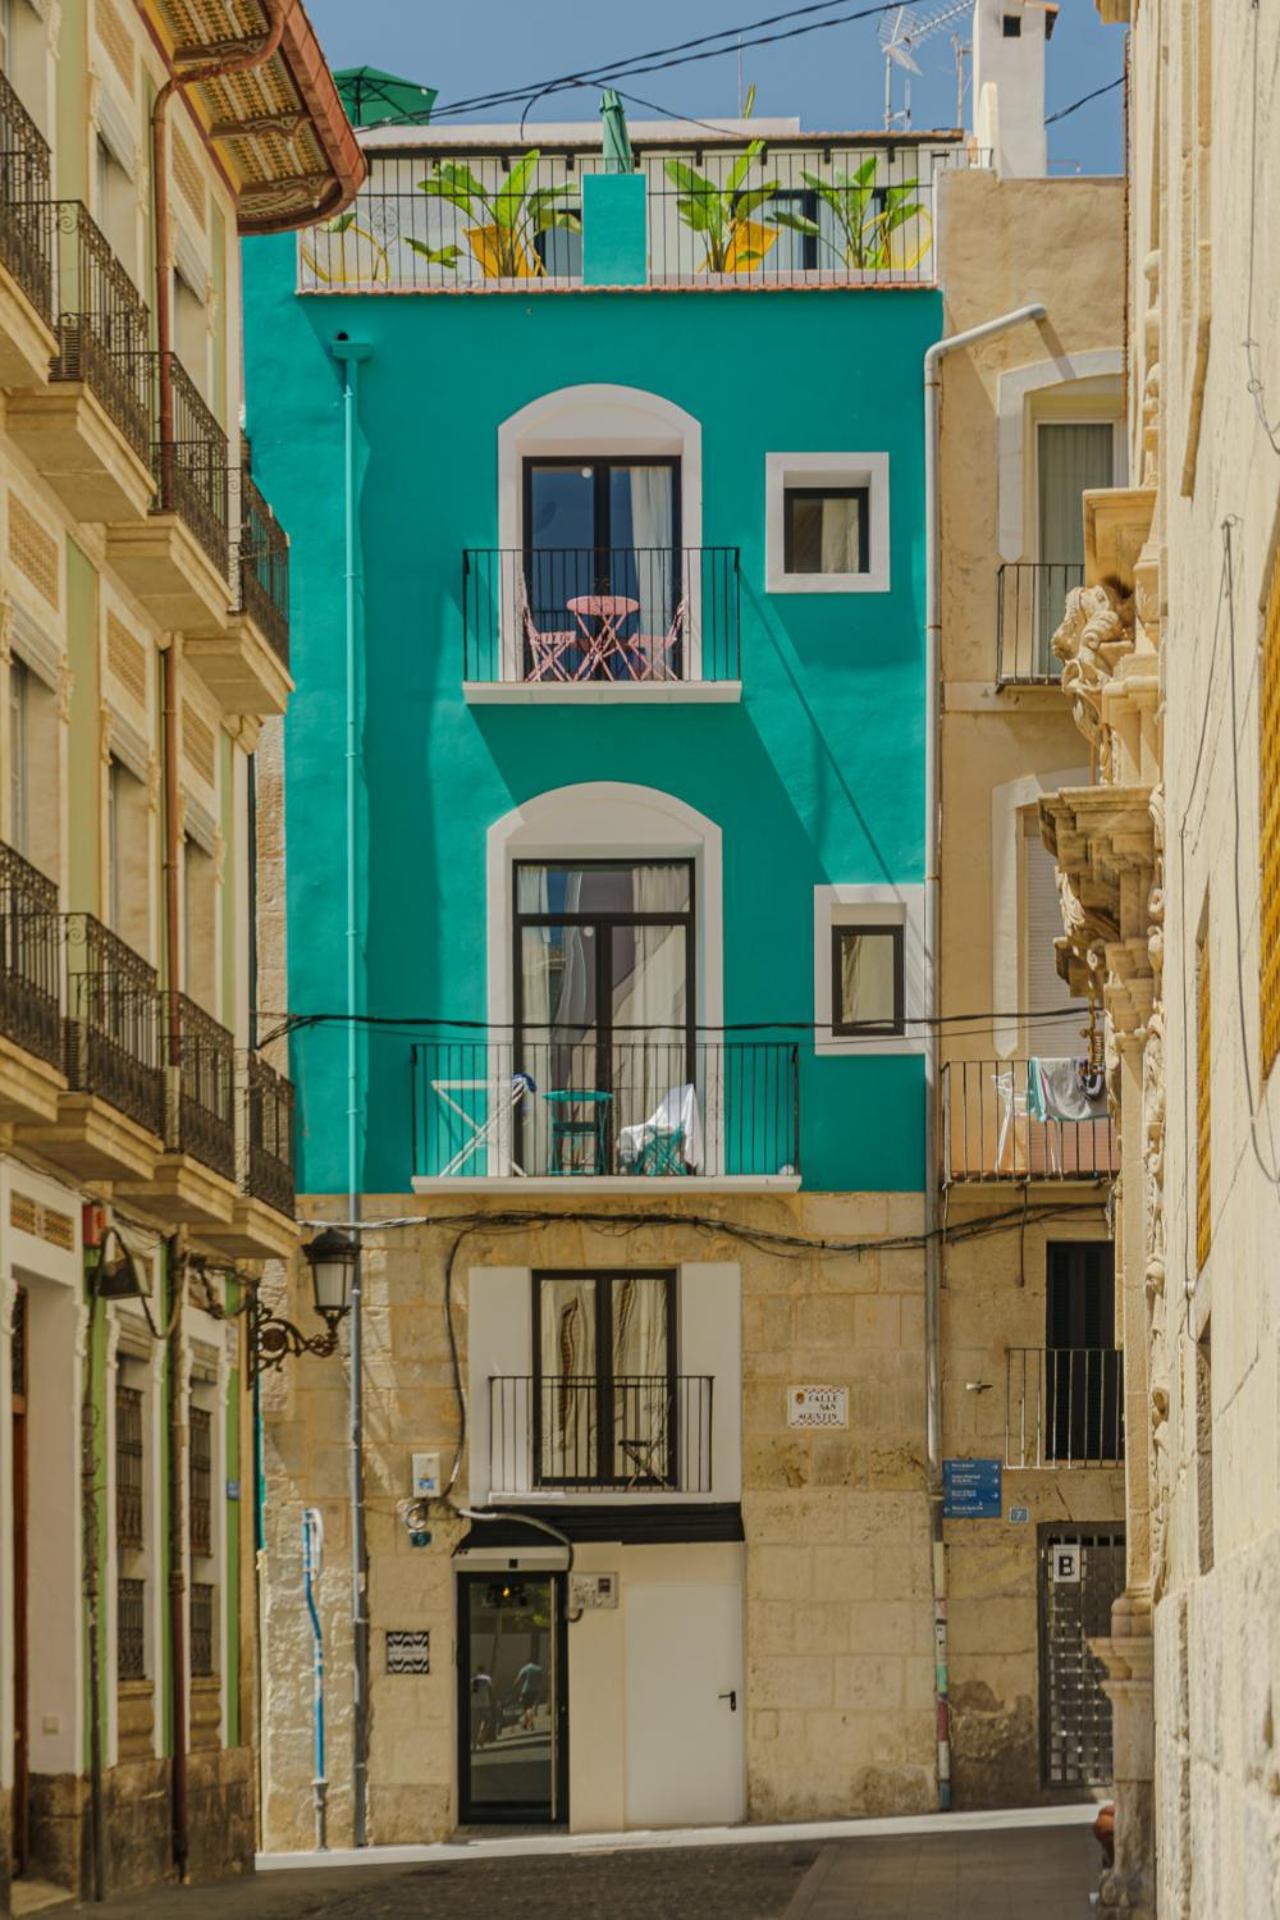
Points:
point(33, 746)
point(868, 980)
point(827, 522)
point(128, 828)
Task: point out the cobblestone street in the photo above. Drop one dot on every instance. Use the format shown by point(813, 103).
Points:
point(1044, 1872)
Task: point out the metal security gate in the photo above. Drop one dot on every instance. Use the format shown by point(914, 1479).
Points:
point(1081, 1573)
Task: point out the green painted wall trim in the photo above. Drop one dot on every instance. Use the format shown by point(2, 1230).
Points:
point(234, 1510)
point(227, 805)
point(615, 241)
point(97, 1362)
point(84, 756)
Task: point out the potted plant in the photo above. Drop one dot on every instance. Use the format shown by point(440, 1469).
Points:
point(734, 241)
point(509, 217)
point(334, 270)
point(866, 217)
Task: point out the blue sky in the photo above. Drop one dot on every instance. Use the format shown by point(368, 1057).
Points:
point(833, 79)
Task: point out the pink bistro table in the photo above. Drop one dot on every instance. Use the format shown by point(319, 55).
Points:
point(609, 610)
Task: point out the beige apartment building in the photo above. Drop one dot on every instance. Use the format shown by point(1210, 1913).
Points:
point(145, 1143)
point(1170, 865)
point(1032, 1378)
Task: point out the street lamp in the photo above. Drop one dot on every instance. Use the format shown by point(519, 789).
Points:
point(332, 1258)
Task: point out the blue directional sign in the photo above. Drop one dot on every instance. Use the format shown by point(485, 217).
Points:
point(971, 1489)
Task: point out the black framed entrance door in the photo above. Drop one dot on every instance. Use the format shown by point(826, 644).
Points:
point(513, 1703)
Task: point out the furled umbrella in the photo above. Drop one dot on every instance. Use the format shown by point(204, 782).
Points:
point(617, 141)
point(372, 97)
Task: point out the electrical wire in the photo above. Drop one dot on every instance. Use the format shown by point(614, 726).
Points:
point(1064, 113)
point(1257, 391)
point(660, 59)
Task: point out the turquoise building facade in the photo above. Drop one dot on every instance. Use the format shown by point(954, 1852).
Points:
point(617, 527)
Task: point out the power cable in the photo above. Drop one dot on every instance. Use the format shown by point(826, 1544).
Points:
point(1065, 113)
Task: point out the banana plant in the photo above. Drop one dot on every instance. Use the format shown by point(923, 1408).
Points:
point(734, 242)
point(508, 218)
point(334, 269)
point(865, 216)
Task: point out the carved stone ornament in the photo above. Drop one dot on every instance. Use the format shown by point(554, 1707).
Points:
point(1155, 898)
point(1097, 627)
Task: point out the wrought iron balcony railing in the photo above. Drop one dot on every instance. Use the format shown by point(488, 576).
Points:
point(1029, 604)
point(30, 959)
point(1035, 1119)
point(26, 231)
point(102, 324)
point(261, 564)
point(192, 466)
point(201, 1056)
point(559, 616)
point(1064, 1407)
point(113, 1023)
point(625, 1433)
point(268, 1164)
point(646, 1106)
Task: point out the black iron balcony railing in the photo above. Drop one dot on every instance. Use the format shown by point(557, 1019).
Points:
point(656, 1106)
point(102, 324)
point(30, 958)
point(1064, 1407)
point(268, 1136)
point(1044, 1119)
point(201, 1056)
point(26, 231)
point(113, 1023)
point(1029, 604)
point(559, 616)
point(261, 563)
point(192, 466)
point(625, 1433)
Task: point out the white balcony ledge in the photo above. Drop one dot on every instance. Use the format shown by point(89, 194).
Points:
point(607, 1183)
point(602, 693)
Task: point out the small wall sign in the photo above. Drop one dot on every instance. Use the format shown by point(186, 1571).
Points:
point(233, 1489)
point(1019, 1516)
point(817, 1406)
point(408, 1652)
point(593, 1590)
point(1064, 1566)
point(971, 1489)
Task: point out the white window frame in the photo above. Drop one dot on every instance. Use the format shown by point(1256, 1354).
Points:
point(868, 906)
point(785, 470)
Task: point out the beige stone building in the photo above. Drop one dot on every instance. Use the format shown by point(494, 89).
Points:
point(1031, 1375)
point(1170, 860)
point(145, 1143)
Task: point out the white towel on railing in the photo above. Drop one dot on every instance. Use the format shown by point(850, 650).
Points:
point(676, 1112)
point(1065, 1090)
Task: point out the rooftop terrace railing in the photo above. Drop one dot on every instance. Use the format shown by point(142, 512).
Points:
point(26, 233)
point(724, 215)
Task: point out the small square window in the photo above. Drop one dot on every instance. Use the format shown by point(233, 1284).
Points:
point(867, 980)
point(1012, 24)
point(825, 529)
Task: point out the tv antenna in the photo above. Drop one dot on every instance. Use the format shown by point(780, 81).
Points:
point(901, 34)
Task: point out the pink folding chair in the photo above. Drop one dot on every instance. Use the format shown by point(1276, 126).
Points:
point(651, 656)
point(547, 650)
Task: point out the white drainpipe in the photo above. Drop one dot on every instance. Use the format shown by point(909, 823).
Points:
point(1035, 310)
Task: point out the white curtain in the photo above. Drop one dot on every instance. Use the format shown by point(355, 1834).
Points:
point(641, 1442)
point(1072, 457)
point(653, 537)
point(841, 536)
point(651, 999)
point(569, 1365)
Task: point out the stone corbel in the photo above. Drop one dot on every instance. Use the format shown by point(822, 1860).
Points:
point(1096, 630)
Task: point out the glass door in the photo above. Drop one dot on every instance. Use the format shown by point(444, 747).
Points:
point(513, 1708)
point(1072, 458)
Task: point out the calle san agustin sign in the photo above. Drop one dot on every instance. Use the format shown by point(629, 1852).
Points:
point(817, 1406)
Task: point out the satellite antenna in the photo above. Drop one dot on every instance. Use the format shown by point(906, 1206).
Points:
point(901, 34)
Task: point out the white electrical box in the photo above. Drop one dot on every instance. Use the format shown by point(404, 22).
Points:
point(426, 1476)
point(593, 1590)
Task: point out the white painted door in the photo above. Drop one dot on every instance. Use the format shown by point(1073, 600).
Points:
point(684, 1731)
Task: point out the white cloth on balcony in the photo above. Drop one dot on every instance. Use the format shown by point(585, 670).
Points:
point(1065, 1090)
point(676, 1112)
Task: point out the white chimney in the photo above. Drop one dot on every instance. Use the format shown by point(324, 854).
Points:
point(1009, 39)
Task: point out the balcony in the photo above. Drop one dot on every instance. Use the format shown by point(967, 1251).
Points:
point(178, 560)
point(247, 667)
point(262, 1224)
point(193, 1183)
point(1029, 602)
point(27, 338)
point(1064, 1407)
point(638, 1115)
point(633, 624)
point(1006, 1120)
point(634, 1434)
point(89, 431)
point(788, 212)
point(31, 1046)
point(110, 1122)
